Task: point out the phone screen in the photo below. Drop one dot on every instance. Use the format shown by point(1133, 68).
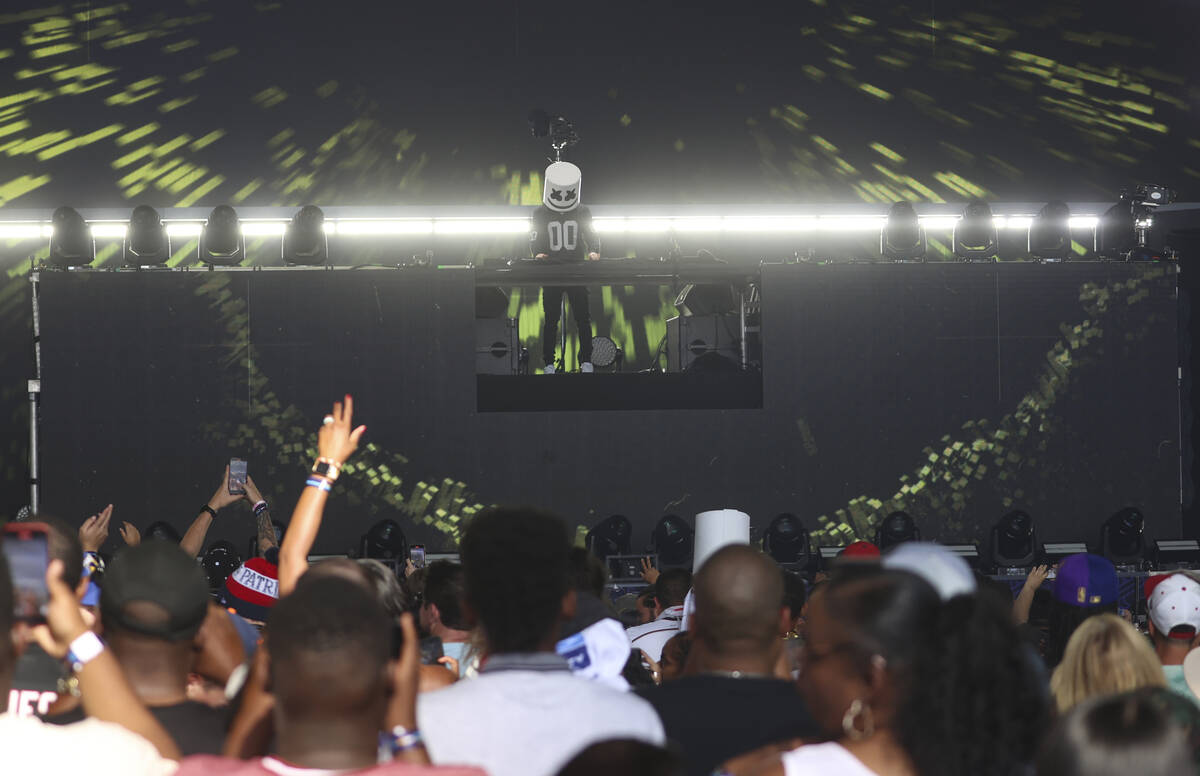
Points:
point(26, 550)
point(237, 476)
point(416, 554)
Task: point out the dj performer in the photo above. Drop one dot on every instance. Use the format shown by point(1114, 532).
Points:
point(561, 230)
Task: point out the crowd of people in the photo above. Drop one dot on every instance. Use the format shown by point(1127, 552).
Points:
point(169, 658)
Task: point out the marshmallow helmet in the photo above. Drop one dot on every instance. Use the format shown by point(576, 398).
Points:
point(561, 193)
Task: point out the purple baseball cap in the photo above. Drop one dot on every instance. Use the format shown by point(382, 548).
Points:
point(1086, 580)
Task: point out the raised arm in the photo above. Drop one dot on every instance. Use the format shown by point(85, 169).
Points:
point(1024, 601)
point(262, 517)
point(103, 689)
point(335, 443)
point(193, 541)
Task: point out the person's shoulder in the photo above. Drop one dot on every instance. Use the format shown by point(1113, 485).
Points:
point(820, 759)
point(110, 746)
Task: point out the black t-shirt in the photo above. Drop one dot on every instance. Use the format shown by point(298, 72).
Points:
point(713, 718)
point(35, 682)
point(196, 728)
point(563, 236)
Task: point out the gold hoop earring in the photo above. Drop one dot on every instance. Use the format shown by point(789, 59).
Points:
point(858, 710)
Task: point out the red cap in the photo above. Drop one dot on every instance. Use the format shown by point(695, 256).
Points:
point(860, 550)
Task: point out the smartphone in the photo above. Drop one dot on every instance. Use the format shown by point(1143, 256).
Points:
point(25, 547)
point(416, 554)
point(237, 476)
point(431, 650)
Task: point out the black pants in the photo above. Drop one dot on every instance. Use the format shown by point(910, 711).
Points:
point(577, 297)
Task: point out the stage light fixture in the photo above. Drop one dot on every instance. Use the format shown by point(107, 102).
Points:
point(1049, 237)
point(1176, 554)
point(611, 536)
point(1121, 537)
point(71, 242)
point(1013, 541)
point(902, 237)
point(788, 542)
point(219, 561)
point(674, 541)
point(304, 241)
point(221, 241)
point(604, 352)
point(975, 233)
point(146, 243)
point(1124, 227)
point(896, 528)
point(384, 541)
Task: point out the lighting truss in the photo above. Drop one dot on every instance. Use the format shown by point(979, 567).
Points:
point(452, 226)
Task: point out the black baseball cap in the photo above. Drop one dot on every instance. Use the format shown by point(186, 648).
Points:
point(155, 589)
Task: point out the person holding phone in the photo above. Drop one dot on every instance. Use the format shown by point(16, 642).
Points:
point(120, 736)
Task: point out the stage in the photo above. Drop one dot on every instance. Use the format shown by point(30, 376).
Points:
point(954, 391)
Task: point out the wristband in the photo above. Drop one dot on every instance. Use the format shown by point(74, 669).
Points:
point(83, 650)
point(210, 510)
point(327, 468)
point(92, 563)
point(259, 508)
point(319, 484)
point(404, 740)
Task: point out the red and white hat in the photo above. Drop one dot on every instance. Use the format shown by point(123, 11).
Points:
point(252, 589)
point(1173, 600)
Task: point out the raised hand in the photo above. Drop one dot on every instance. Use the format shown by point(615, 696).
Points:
point(64, 619)
point(336, 441)
point(131, 535)
point(1037, 575)
point(94, 531)
point(253, 495)
point(649, 573)
point(223, 498)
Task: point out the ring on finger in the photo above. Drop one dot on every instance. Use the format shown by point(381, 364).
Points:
point(327, 421)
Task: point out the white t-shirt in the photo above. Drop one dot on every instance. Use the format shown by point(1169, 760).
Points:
point(89, 747)
point(829, 759)
point(653, 636)
point(527, 715)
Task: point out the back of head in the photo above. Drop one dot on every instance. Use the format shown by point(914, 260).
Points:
point(588, 574)
point(672, 587)
point(62, 543)
point(1116, 735)
point(739, 597)
point(623, 756)
point(1085, 585)
point(329, 644)
point(444, 589)
point(1105, 655)
point(385, 585)
point(155, 591)
point(966, 701)
point(515, 564)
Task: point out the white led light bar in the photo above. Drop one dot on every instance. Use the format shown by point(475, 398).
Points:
point(108, 229)
point(481, 226)
point(419, 225)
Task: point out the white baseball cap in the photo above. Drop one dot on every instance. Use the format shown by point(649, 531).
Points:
point(1173, 600)
point(948, 573)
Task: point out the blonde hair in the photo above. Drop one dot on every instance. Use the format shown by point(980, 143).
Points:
point(1105, 655)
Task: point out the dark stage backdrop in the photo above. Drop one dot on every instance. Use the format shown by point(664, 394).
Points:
point(953, 391)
